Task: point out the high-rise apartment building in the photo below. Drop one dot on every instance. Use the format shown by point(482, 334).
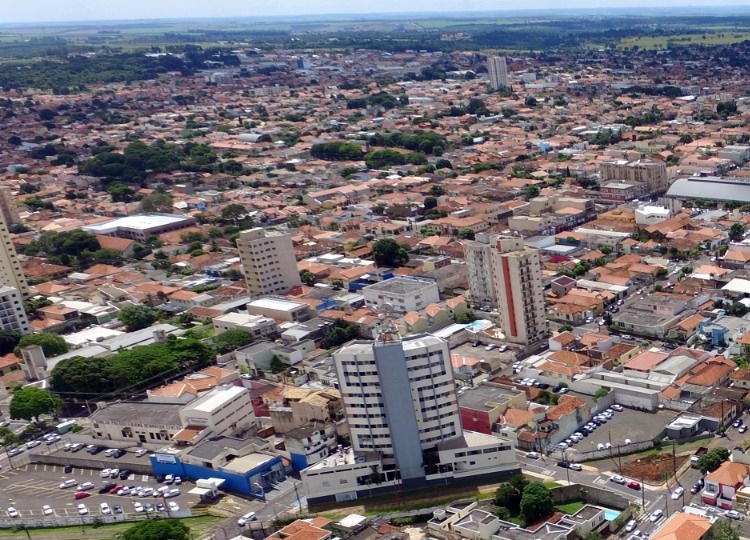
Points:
point(268, 261)
point(8, 206)
point(11, 272)
point(505, 274)
point(404, 423)
point(497, 70)
point(651, 173)
point(12, 314)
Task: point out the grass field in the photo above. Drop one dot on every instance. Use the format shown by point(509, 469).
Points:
point(570, 507)
point(198, 527)
point(661, 42)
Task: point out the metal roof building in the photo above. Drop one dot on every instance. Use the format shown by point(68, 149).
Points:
point(710, 187)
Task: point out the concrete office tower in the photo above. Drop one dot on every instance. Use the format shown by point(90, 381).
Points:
point(11, 273)
point(505, 274)
point(268, 261)
point(498, 72)
point(400, 399)
point(8, 206)
point(12, 314)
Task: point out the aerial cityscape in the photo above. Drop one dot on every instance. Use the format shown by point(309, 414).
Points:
point(316, 273)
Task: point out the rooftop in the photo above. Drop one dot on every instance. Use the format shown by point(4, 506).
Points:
point(134, 414)
point(401, 285)
point(136, 222)
point(216, 398)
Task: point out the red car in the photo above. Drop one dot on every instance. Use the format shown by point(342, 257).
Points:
point(115, 489)
point(634, 485)
point(82, 495)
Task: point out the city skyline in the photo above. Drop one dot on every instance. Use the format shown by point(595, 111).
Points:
point(49, 11)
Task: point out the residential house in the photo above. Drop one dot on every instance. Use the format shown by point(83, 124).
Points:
point(722, 484)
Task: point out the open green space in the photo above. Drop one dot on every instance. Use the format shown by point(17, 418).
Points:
point(661, 42)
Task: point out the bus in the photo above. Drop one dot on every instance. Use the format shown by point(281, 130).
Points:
point(66, 426)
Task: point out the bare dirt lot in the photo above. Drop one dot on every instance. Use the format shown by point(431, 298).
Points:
point(654, 468)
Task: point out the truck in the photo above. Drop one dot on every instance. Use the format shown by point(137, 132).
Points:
point(66, 426)
point(695, 457)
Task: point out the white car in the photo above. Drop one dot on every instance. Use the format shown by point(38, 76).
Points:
point(532, 455)
point(47, 510)
point(632, 524)
point(138, 507)
point(489, 347)
point(114, 473)
point(617, 407)
point(732, 514)
point(124, 491)
point(677, 493)
point(141, 452)
point(617, 479)
point(104, 507)
point(174, 492)
point(146, 492)
point(247, 518)
point(105, 473)
point(32, 444)
point(70, 482)
point(82, 509)
point(12, 512)
point(85, 486)
point(656, 515)
point(173, 506)
point(575, 467)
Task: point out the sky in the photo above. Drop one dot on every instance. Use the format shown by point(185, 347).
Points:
point(86, 10)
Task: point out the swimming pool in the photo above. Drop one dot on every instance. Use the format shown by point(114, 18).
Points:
point(610, 515)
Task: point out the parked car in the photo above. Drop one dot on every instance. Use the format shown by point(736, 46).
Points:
point(81, 495)
point(617, 479)
point(174, 492)
point(634, 485)
point(656, 515)
point(632, 524)
point(743, 429)
point(114, 473)
point(115, 489)
point(32, 444)
point(173, 506)
point(85, 486)
point(105, 509)
point(146, 492)
point(737, 423)
point(141, 452)
point(125, 474)
point(247, 518)
point(12, 512)
point(68, 468)
point(105, 473)
point(117, 509)
point(138, 507)
point(575, 467)
point(532, 455)
point(677, 493)
point(731, 514)
point(70, 482)
point(13, 452)
point(107, 487)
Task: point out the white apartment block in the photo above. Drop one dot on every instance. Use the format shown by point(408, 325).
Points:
point(497, 70)
point(255, 325)
point(12, 314)
point(505, 274)
point(403, 294)
point(268, 261)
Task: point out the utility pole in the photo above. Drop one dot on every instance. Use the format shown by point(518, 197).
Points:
point(299, 503)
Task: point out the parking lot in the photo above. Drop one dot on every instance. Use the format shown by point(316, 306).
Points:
point(32, 486)
point(629, 424)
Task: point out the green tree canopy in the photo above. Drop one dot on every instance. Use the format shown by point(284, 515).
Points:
point(158, 529)
point(337, 151)
point(8, 439)
point(509, 496)
point(536, 502)
point(231, 340)
point(724, 529)
point(51, 344)
point(157, 202)
point(137, 317)
point(736, 231)
point(339, 333)
point(30, 402)
point(308, 278)
point(388, 252)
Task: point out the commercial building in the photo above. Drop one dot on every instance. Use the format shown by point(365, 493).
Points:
point(651, 173)
point(255, 325)
point(505, 274)
point(153, 423)
point(711, 188)
point(403, 294)
point(11, 272)
point(141, 227)
point(222, 411)
point(280, 308)
point(268, 261)
point(497, 70)
point(404, 423)
point(12, 314)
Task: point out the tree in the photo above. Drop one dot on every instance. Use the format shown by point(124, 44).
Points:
point(736, 231)
point(157, 202)
point(51, 344)
point(593, 536)
point(531, 101)
point(9, 340)
point(337, 283)
point(233, 212)
point(30, 402)
point(713, 459)
point(231, 340)
point(507, 495)
point(308, 278)
point(158, 529)
point(661, 272)
point(466, 233)
point(603, 391)
point(565, 328)
point(723, 529)
point(338, 333)
point(277, 365)
point(80, 377)
point(8, 439)
point(530, 192)
point(120, 192)
point(388, 252)
point(430, 203)
point(436, 190)
point(536, 502)
point(137, 317)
